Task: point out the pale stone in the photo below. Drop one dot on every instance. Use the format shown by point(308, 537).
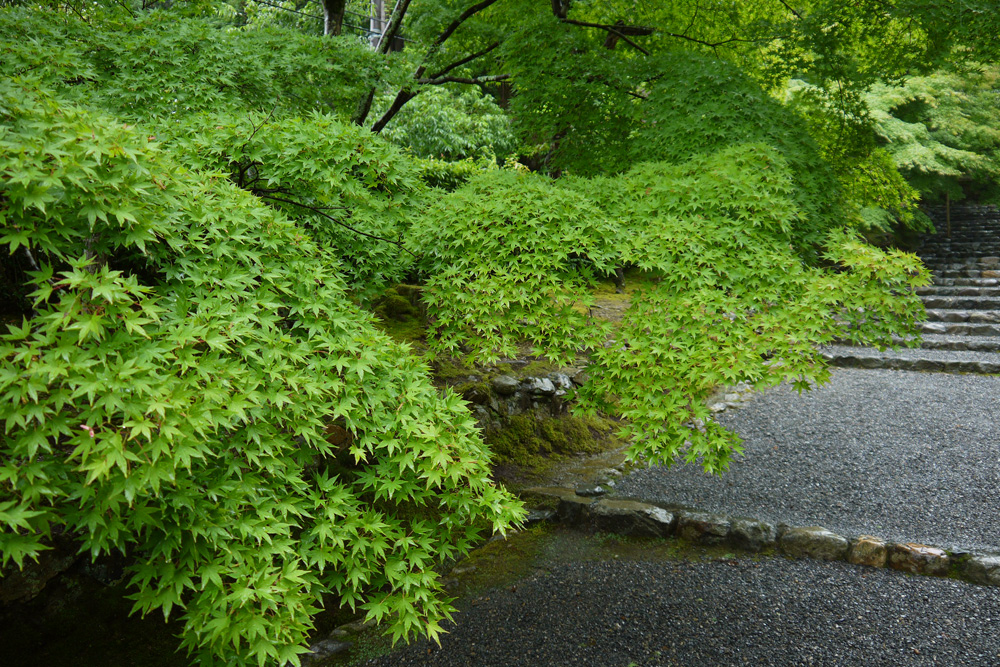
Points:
point(868, 550)
point(919, 559)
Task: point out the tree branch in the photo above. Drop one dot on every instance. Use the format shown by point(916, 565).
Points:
point(332, 219)
point(463, 61)
point(723, 42)
point(789, 8)
point(387, 37)
point(619, 31)
point(461, 79)
point(462, 18)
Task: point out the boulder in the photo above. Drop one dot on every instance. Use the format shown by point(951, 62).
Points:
point(919, 559)
point(626, 517)
point(814, 542)
point(702, 527)
point(868, 550)
point(538, 386)
point(751, 534)
point(982, 569)
point(505, 385)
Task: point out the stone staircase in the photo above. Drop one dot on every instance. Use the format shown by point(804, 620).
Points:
point(962, 331)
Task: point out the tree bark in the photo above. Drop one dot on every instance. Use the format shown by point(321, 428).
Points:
point(333, 16)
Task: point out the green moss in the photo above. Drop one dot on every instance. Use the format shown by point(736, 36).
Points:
point(399, 315)
point(535, 441)
point(538, 368)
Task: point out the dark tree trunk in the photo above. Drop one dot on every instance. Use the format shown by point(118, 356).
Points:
point(333, 16)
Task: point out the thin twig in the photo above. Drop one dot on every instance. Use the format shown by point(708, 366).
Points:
point(338, 222)
point(463, 61)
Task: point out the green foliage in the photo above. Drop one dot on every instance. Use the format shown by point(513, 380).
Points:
point(352, 191)
point(573, 106)
point(170, 397)
point(193, 228)
point(441, 123)
point(699, 106)
point(942, 131)
point(165, 65)
point(725, 296)
point(505, 259)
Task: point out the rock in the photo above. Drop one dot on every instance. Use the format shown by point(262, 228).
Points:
point(573, 509)
point(25, 584)
point(538, 515)
point(732, 397)
point(540, 386)
point(504, 385)
point(868, 550)
point(561, 381)
point(751, 534)
point(983, 569)
point(337, 435)
point(627, 517)
point(322, 650)
point(581, 378)
point(357, 626)
point(814, 542)
point(717, 407)
point(919, 559)
point(591, 490)
point(702, 527)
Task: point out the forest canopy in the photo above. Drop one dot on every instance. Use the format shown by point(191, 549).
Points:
point(201, 202)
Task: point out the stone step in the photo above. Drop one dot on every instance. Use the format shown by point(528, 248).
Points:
point(962, 302)
point(974, 263)
point(969, 316)
point(960, 329)
point(960, 254)
point(976, 291)
point(968, 273)
point(941, 361)
point(966, 282)
point(965, 343)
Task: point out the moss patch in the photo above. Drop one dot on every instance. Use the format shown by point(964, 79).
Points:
point(534, 440)
point(399, 314)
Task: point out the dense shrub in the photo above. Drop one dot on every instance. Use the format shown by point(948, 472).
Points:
point(195, 388)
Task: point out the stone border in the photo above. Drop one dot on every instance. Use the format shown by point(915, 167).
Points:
point(633, 518)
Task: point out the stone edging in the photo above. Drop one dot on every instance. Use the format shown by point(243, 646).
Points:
point(633, 518)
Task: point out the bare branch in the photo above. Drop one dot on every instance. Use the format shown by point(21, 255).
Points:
point(731, 40)
point(402, 97)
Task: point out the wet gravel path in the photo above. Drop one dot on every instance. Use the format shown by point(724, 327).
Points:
point(740, 612)
point(906, 456)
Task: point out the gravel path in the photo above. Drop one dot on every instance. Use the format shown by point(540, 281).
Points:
point(901, 455)
point(740, 612)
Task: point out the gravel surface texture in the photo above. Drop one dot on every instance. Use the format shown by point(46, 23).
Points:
point(739, 612)
point(901, 455)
